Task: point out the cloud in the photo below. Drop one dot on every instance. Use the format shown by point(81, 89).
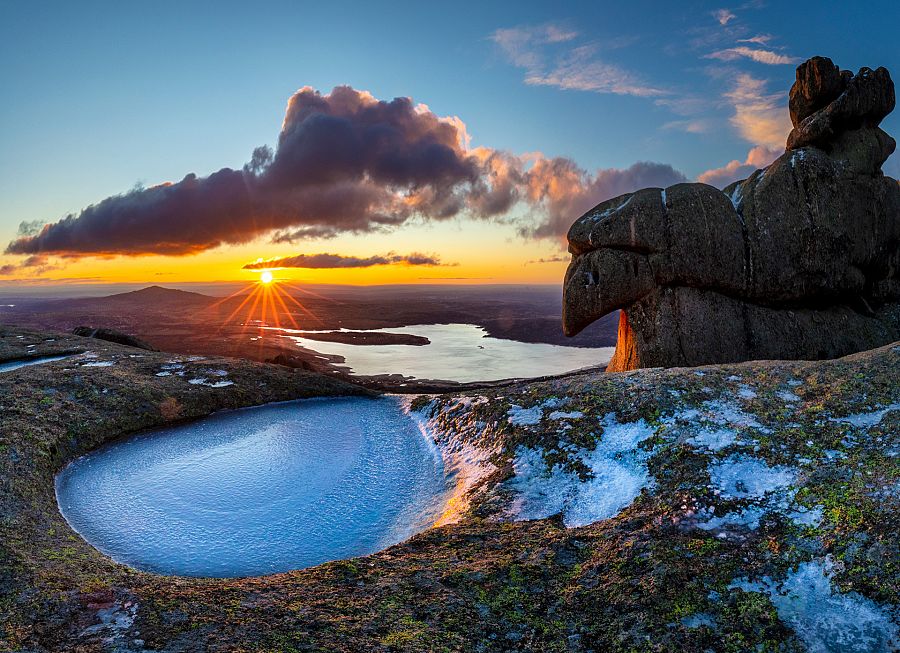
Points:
point(758, 157)
point(37, 264)
point(760, 118)
point(723, 16)
point(575, 68)
point(30, 227)
point(698, 126)
point(551, 259)
point(760, 39)
point(564, 191)
point(305, 233)
point(334, 261)
point(757, 55)
point(345, 163)
point(521, 44)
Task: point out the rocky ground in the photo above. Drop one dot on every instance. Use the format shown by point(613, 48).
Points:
point(737, 507)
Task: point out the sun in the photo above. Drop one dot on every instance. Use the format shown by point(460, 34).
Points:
point(266, 277)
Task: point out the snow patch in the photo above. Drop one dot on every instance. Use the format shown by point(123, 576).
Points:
point(608, 212)
point(827, 621)
point(743, 477)
point(746, 392)
point(867, 420)
point(518, 416)
point(714, 440)
point(618, 468)
point(558, 414)
point(788, 396)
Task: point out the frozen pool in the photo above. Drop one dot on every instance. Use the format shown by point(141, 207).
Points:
point(258, 490)
point(9, 366)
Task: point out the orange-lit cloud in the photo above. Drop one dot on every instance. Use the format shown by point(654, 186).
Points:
point(334, 261)
point(345, 163)
point(758, 157)
point(754, 54)
point(761, 118)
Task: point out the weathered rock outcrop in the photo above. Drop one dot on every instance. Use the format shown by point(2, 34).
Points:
point(799, 261)
point(111, 335)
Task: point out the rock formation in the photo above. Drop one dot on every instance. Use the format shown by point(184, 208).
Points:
point(799, 261)
point(111, 335)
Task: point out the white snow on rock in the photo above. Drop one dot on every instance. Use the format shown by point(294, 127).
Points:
point(99, 364)
point(788, 396)
point(619, 472)
point(518, 416)
point(746, 392)
point(558, 414)
point(867, 420)
point(827, 621)
point(713, 439)
point(210, 384)
point(748, 518)
point(726, 413)
point(742, 477)
point(698, 620)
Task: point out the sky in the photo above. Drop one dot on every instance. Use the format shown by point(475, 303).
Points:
point(380, 142)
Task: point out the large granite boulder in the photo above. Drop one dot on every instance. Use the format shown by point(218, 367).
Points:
point(800, 261)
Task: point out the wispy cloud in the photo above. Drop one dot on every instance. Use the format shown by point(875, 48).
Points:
point(724, 16)
point(759, 39)
point(335, 261)
point(578, 68)
point(758, 157)
point(761, 118)
point(550, 259)
point(698, 126)
point(758, 55)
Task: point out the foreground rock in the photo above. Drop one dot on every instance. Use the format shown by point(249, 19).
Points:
point(800, 261)
point(737, 507)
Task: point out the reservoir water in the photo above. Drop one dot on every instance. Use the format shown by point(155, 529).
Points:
point(259, 490)
point(459, 352)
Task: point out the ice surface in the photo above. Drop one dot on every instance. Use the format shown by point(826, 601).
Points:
point(619, 473)
point(9, 366)
point(258, 490)
point(827, 621)
point(558, 414)
point(741, 477)
point(867, 420)
point(519, 416)
point(714, 440)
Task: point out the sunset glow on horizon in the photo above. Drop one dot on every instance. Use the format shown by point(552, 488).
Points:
point(353, 166)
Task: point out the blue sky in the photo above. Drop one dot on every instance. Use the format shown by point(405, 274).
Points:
point(101, 96)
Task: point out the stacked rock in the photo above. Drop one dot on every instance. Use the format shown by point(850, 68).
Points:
point(799, 261)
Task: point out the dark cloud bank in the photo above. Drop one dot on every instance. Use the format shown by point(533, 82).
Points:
point(345, 163)
point(333, 261)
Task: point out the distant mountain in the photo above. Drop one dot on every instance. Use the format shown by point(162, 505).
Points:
point(158, 294)
point(150, 297)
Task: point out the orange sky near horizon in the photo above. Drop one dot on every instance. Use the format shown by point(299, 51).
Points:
point(490, 253)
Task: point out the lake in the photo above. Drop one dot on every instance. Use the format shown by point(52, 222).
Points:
point(458, 352)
